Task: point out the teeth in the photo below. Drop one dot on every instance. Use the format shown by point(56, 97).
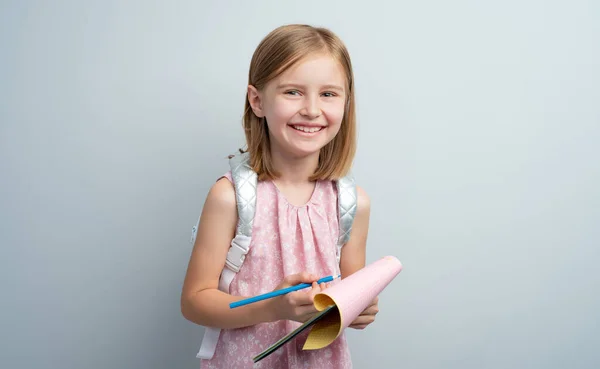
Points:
point(308, 129)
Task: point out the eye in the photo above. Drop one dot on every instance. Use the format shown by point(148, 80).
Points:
point(329, 94)
point(293, 92)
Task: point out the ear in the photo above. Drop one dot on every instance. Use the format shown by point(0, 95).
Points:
point(255, 100)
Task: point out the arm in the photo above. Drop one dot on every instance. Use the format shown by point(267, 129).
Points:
point(201, 300)
point(354, 254)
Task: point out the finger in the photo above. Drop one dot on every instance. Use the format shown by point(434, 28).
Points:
point(304, 277)
point(363, 320)
point(316, 288)
point(373, 310)
point(374, 302)
point(300, 298)
point(304, 312)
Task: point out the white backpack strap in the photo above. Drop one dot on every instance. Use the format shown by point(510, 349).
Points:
point(245, 183)
point(347, 200)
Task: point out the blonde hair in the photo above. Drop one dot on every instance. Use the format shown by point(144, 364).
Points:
point(277, 52)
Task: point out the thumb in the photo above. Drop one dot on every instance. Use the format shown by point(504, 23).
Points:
point(316, 289)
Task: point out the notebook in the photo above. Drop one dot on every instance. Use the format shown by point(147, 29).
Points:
point(340, 304)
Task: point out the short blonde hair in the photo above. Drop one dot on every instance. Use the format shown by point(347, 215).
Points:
point(276, 53)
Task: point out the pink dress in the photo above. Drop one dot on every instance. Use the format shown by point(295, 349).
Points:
point(286, 239)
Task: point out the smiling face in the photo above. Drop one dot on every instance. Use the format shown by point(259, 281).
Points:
point(304, 106)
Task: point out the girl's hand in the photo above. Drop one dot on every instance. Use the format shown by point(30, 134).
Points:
point(367, 316)
point(298, 305)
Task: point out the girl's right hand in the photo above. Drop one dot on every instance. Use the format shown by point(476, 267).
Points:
point(298, 305)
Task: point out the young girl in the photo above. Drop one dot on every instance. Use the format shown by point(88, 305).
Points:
point(300, 132)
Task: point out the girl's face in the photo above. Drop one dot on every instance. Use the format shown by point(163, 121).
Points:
point(304, 106)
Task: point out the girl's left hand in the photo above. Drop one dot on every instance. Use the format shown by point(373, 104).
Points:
point(367, 316)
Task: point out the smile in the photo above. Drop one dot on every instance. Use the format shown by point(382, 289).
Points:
point(307, 129)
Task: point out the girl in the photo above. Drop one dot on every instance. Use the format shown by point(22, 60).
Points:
point(300, 133)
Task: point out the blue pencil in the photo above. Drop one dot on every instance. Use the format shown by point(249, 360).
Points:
point(279, 292)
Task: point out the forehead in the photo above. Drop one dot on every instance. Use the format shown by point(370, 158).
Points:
point(318, 69)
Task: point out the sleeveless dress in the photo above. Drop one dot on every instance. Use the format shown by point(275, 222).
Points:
point(286, 239)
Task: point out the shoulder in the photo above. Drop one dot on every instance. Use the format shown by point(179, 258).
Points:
point(363, 199)
point(363, 203)
point(221, 196)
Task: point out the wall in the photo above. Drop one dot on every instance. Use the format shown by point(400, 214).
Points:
point(479, 126)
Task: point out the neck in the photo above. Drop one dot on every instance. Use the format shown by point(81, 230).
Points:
point(294, 170)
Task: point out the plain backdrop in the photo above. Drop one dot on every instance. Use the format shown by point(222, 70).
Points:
point(479, 145)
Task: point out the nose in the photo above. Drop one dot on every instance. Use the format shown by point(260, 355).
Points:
point(311, 108)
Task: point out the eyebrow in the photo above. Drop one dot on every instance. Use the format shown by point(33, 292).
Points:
point(296, 85)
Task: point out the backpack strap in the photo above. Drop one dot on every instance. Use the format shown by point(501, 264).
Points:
point(347, 199)
point(245, 182)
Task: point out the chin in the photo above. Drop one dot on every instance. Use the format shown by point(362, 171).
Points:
point(302, 151)
point(301, 154)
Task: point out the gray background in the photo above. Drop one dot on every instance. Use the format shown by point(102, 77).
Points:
point(479, 128)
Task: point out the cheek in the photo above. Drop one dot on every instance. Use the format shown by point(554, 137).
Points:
point(282, 111)
point(334, 114)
